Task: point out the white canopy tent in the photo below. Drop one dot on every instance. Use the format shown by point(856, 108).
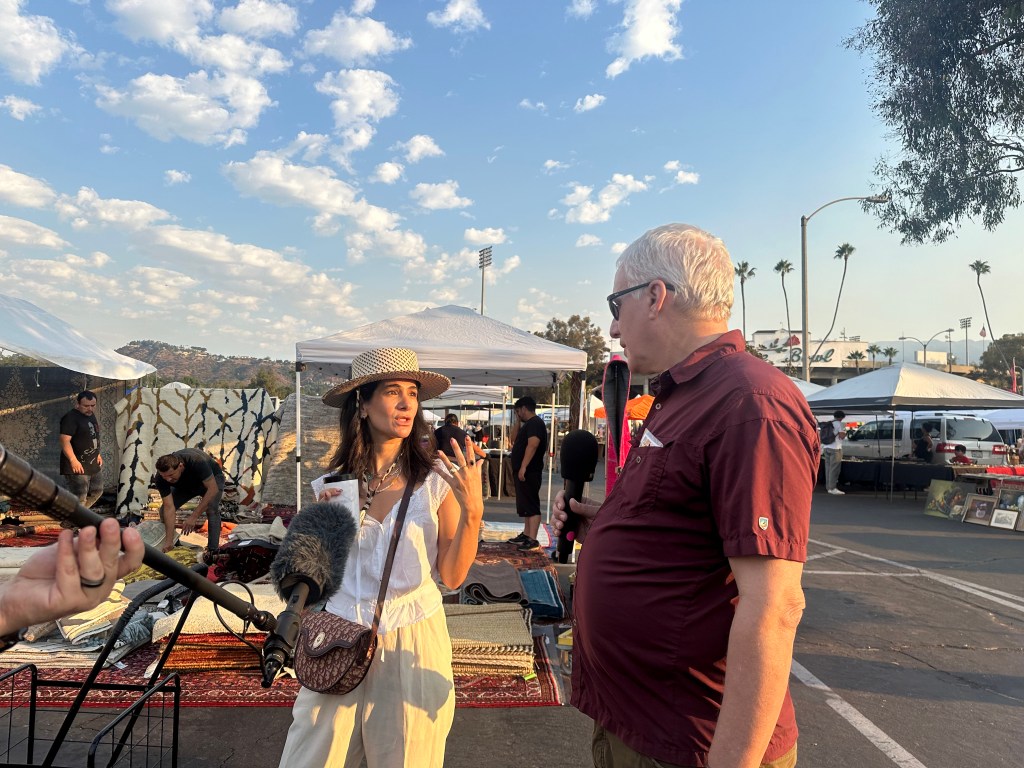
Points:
point(806, 388)
point(34, 332)
point(467, 347)
point(911, 387)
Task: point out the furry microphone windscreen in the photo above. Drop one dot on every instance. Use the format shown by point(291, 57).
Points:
point(314, 551)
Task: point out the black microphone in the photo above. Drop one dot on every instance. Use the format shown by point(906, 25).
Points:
point(309, 565)
point(19, 480)
point(579, 460)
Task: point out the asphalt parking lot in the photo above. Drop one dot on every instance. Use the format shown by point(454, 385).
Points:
point(910, 654)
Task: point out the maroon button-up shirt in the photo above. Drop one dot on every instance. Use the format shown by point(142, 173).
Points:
point(655, 596)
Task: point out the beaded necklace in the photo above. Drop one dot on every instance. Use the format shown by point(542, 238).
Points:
point(383, 484)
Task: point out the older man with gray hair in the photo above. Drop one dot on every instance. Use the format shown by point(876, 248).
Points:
point(688, 588)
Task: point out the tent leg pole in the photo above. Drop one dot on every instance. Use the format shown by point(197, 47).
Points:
point(298, 436)
point(551, 442)
point(501, 441)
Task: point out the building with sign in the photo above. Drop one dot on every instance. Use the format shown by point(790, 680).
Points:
point(830, 362)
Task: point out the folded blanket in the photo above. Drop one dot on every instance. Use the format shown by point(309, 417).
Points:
point(542, 593)
point(97, 621)
point(492, 583)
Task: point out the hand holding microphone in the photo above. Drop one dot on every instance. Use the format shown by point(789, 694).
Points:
point(579, 460)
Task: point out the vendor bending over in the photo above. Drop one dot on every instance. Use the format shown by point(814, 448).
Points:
point(182, 476)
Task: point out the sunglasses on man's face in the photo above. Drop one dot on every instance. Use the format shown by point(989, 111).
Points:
point(614, 303)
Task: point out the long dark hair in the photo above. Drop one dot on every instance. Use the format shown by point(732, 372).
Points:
point(355, 448)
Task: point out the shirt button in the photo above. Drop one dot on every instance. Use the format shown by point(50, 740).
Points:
point(639, 459)
point(657, 406)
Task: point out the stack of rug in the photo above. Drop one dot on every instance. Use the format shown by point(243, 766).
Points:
point(489, 583)
point(490, 639)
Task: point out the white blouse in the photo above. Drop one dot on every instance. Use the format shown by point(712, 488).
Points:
point(412, 593)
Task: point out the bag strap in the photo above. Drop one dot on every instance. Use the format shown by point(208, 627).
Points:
point(396, 532)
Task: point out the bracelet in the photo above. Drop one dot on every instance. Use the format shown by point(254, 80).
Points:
point(11, 639)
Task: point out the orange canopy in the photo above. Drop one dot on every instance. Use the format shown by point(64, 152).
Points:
point(636, 408)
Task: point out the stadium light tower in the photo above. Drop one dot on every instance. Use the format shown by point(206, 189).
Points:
point(485, 262)
point(965, 323)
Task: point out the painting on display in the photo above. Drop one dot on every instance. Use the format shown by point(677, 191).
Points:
point(946, 499)
point(1005, 518)
point(1010, 498)
point(978, 509)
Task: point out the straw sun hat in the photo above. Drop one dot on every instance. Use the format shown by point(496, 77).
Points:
point(388, 364)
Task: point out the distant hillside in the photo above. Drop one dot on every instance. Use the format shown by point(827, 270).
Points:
point(198, 368)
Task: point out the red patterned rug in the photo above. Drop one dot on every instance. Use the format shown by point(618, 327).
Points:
point(236, 688)
point(490, 552)
point(39, 535)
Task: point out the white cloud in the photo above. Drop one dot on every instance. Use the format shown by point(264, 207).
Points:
point(362, 7)
point(30, 46)
point(172, 177)
point(25, 191)
point(550, 166)
point(460, 15)
point(687, 177)
point(387, 173)
point(158, 20)
point(618, 248)
point(21, 232)
point(198, 108)
point(536, 106)
point(86, 208)
point(353, 40)
point(360, 96)
point(589, 102)
point(672, 165)
point(260, 18)
point(584, 210)
point(581, 9)
point(19, 108)
point(439, 196)
point(419, 147)
point(488, 236)
point(232, 53)
point(648, 30)
point(585, 241)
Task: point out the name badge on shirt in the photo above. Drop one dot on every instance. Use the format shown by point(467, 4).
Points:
point(650, 440)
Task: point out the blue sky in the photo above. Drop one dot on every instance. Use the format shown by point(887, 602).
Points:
point(244, 175)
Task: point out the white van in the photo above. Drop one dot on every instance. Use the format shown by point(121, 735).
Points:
point(875, 440)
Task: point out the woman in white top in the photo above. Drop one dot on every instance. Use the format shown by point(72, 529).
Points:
point(400, 715)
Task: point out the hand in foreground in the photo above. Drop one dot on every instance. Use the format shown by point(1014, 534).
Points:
point(191, 523)
point(587, 510)
point(55, 581)
point(465, 479)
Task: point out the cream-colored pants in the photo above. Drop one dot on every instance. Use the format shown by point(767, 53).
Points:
point(398, 717)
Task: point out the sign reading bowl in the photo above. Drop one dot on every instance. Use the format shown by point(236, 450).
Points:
point(784, 350)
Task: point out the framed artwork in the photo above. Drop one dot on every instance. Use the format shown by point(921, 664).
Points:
point(1004, 518)
point(946, 499)
point(1020, 523)
point(978, 509)
point(1010, 499)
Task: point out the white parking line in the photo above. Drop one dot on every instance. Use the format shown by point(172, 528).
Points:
point(1006, 599)
point(900, 574)
point(852, 715)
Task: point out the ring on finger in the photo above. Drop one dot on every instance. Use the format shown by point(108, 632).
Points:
point(89, 583)
point(456, 468)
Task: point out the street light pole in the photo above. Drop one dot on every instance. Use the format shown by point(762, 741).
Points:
point(924, 344)
point(803, 272)
point(485, 262)
point(965, 323)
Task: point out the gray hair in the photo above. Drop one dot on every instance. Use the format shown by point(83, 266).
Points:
point(694, 261)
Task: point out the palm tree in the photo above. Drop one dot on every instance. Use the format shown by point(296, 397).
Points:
point(782, 269)
point(873, 350)
point(844, 252)
point(890, 352)
point(744, 272)
point(981, 268)
point(856, 357)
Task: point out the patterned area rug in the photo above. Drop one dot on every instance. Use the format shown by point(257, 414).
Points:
point(28, 535)
point(242, 688)
point(494, 552)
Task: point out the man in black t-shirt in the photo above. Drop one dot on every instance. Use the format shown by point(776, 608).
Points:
point(444, 434)
point(81, 464)
point(527, 459)
point(182, 476)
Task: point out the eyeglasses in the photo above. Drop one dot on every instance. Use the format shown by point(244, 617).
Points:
point(613, 298)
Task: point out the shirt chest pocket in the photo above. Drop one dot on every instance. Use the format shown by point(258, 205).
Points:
point(645, 478)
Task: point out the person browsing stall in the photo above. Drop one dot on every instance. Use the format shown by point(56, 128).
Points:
point(76, 574)
point(449, 431)
point(527, 460)
point(688, 594)
point(401, 712)
point(81, 464)
point(832, 452)
point(181, 476)
point(960, 456)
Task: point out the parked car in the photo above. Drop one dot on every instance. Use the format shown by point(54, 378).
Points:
point(874, 439)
